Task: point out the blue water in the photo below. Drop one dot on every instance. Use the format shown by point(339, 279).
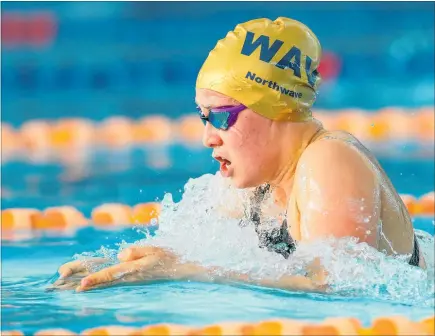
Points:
point(146, 53)
point(28, 266)
point(128, 176)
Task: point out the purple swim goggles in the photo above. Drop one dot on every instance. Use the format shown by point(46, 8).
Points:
point(222, 117)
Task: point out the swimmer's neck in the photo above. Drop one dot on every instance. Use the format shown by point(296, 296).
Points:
point(300, 135)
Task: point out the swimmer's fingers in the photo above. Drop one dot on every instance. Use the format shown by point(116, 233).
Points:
point(129, 271)
point(78, 266)
point(64, 284)
point(70, 268)
point(137, 252)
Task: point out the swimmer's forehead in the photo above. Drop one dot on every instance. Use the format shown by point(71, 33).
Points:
point(211, 99)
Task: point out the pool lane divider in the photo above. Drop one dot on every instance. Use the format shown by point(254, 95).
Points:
point(40, 138)
point(112, 215)
point(381, 326)
point(67, 217)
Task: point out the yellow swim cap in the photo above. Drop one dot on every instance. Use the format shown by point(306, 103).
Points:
point(268, 66)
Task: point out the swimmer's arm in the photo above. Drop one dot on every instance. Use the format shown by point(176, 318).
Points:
point(313, 283)
point(139, 264)
point(337, 194)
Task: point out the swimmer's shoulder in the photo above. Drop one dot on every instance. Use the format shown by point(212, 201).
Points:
point(331, 177)
point(333, 153)
point(335, 145)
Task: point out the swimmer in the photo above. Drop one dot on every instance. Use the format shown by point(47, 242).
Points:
point(255, 93)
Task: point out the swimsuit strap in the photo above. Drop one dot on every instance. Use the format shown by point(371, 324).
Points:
point(415, 258)
point(277, 240)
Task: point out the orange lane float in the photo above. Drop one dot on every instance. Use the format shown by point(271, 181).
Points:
point(18, 219)
point(354, 121)
point(67, 217)
point(145, 212)
point(426, 204)
point(425, 124)
point(391, 124)
point(62, 217)
point(112, 214)
point(37, 137)
point(153, 129)
point(190, 128)
point(54, 332)
point(12, 333)
point(72, 133)
point(381, 326)
point(118, 214)
point(10, 142)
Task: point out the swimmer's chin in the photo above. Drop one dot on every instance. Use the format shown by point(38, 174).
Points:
point(239, 183)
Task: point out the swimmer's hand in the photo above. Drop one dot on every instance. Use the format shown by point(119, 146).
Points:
point(71, 273)
point(139, 264)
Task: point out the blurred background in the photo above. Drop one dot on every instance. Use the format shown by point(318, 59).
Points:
point(93, 59)
point(69, 68)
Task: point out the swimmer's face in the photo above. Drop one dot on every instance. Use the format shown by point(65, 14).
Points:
point(244, 150)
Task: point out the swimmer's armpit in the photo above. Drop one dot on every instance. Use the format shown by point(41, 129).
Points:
point(332, 177)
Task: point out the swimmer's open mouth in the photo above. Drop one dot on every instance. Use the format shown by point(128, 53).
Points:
point(222, 160)
point(224, 163)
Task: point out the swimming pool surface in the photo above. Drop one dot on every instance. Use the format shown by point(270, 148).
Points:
point(29, 265)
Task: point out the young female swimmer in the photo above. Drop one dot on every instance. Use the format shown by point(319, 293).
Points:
point(254, 94)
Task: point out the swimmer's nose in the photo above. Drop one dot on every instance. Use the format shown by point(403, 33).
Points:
point(210, 137)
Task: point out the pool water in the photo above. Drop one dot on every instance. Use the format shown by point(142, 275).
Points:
point(140, 175)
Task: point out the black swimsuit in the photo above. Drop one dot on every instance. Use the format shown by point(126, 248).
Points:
point(276, 240)
point(280, 241)
point(415, 258)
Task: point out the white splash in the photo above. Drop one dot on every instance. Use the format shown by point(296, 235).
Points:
point(200, 229)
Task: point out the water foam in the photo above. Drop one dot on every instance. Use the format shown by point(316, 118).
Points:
point(204, 227)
